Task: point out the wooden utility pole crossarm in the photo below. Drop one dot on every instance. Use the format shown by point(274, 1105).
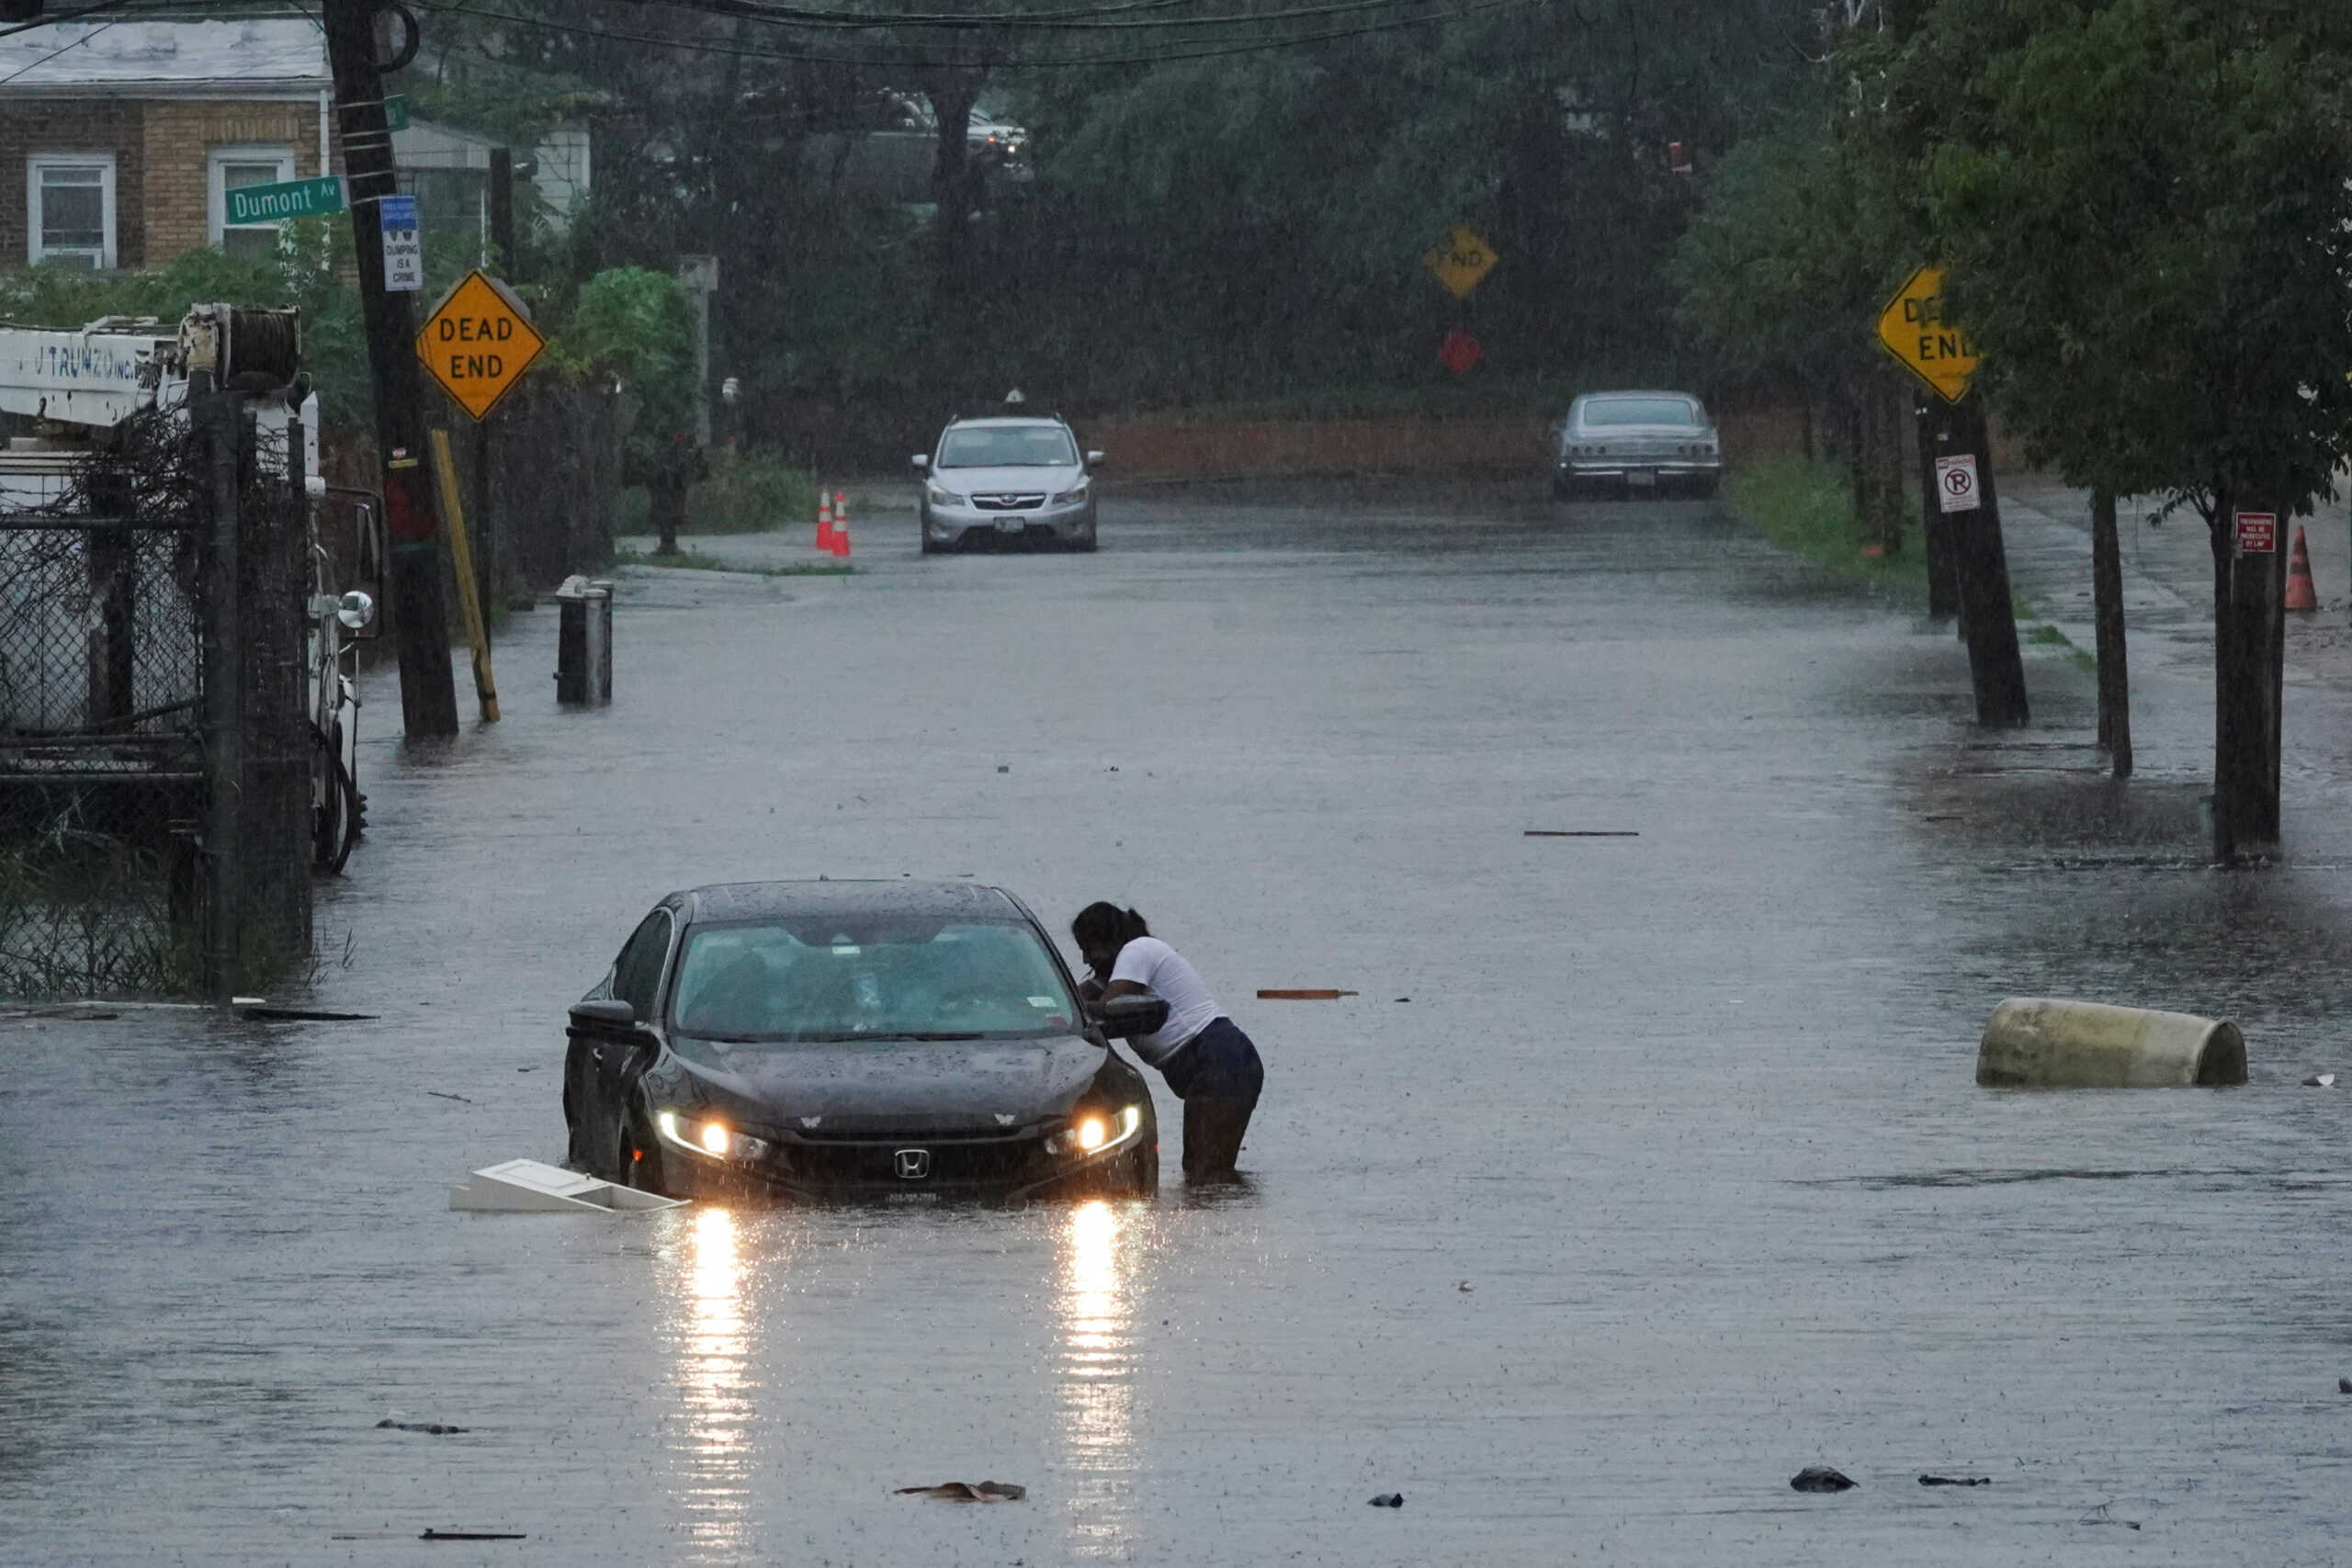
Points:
point(428, 684)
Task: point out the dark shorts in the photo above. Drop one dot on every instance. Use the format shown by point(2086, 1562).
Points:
point(1219, 1063)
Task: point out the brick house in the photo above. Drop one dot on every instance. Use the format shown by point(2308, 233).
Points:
point(128, 133)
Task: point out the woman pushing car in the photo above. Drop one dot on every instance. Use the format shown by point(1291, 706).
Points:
point(1209, 1063)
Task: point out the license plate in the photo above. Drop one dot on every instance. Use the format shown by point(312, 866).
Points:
point(1641, 478)
point(1011, 524)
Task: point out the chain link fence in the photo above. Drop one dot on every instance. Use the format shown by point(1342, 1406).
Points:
point(104, 636)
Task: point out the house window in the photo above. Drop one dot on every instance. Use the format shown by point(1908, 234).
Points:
point(233, 168)
point(69, 209)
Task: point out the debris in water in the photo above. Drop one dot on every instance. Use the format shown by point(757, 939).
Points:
point(437, 1428)
point(1389, 1500)
point(1003, 768)
point(470, 1535)
point(2100, 1516)
point(1302, 996)
point(303, 1015)
point(2320, 1081)
point(1404, 998)
point(1581, 834)
point(2343, 1385)
point(1821, 1478)
point(965, 1492)
point(458, 1098)
point(1955, 1481)
point(1463, 1285)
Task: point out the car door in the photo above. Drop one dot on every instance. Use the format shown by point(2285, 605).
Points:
point(601, 1066)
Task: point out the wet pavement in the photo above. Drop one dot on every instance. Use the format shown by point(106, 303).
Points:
point(1642, 1173)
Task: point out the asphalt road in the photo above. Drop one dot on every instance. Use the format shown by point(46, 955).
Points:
point(1641, 1172)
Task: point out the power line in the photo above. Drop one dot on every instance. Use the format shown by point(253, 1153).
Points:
point(54, 53)
point(63, 16)
point(851, 21)
point(911, 62)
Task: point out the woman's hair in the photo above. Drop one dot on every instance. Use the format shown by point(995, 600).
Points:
point(1107, 925)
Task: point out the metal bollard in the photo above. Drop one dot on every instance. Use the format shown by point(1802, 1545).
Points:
point(583, 642)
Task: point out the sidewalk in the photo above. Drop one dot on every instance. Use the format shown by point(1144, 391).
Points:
point(2168, 620)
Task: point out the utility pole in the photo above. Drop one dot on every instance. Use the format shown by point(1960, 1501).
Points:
point(2249, 656)
point(699, 277)
point(1988, 620)
point(428, 685)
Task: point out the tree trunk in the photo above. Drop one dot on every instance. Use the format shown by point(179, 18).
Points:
point(2249, 654)
point(1887, 469)
point(2107, 608)
point(952, 93)
point(1943, 583)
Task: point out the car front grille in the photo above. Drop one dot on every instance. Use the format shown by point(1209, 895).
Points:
point(1009, 502)
point(864, 1159)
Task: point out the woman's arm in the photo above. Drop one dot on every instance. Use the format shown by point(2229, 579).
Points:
point(1103, 993)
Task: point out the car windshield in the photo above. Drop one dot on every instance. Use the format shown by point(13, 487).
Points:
point(1007, 447)
point(830, 977)
point(1641, 411)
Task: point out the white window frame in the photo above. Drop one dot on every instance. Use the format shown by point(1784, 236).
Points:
point(216, 163)
point(34, 251)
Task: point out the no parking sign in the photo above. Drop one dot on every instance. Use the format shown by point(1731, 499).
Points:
point(1956, 482)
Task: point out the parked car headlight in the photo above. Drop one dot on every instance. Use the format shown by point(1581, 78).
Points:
point(707, 1136)
point(940, 497)
point(1076, 493)
point(1092, 1131)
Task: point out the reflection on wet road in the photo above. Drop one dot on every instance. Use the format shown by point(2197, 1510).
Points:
point(1641, 1173)
point(712, 1340)
point(1097, 1404)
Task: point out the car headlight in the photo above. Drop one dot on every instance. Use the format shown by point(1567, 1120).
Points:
point(1076, 493)
point(707, 1136)
point(1092, 1131)
point(940, 497)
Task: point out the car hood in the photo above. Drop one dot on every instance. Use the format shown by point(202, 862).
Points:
point(945, 1085)
point(1011, 482)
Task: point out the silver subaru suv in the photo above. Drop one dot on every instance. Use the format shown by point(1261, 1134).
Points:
point(1007, 480)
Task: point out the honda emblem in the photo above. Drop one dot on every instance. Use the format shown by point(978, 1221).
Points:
point(913, 1164)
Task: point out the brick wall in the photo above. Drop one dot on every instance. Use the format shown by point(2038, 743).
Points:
point(179, 137)
point(64, 124)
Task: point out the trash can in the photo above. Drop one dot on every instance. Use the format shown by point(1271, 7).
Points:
point(583, 642)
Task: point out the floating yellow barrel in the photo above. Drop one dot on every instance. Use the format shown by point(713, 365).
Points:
point(2038, 1043)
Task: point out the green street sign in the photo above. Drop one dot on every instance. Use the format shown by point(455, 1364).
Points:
point(292, 198)
point(396, 113)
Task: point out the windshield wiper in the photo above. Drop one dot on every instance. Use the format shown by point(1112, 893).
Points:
point(934, 1034)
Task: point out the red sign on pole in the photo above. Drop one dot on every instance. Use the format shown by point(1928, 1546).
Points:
point(2258, 532)
point(1460, 352)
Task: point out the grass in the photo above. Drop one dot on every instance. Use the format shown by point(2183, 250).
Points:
point(689, 561)
point(1806, 507)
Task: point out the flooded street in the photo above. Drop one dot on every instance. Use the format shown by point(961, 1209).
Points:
point(1641, 1171)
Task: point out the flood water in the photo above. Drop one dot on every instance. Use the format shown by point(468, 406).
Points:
point(1642, 1171)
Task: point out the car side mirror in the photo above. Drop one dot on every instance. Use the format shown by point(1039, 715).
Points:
point(1094, 460)
point(604, 1015)
point(922, 462)
point(1124, 1018)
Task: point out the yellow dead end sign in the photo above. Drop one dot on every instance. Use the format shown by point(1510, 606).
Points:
point(1460, 261)
point(478, 343)
point(1914, 330)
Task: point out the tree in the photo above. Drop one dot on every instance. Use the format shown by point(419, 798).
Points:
point(2144, 206)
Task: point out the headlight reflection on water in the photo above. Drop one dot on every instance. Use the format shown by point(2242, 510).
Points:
point(1096, 1370)
point(712, 1343)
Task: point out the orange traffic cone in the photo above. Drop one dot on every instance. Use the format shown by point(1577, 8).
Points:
point(2301, 594)
point(824, 522)
point(841, 539)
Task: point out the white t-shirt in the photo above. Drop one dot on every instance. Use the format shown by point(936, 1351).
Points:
point(1161, 970)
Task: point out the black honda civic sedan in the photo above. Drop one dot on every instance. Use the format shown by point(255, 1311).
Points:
point(853, 1039)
